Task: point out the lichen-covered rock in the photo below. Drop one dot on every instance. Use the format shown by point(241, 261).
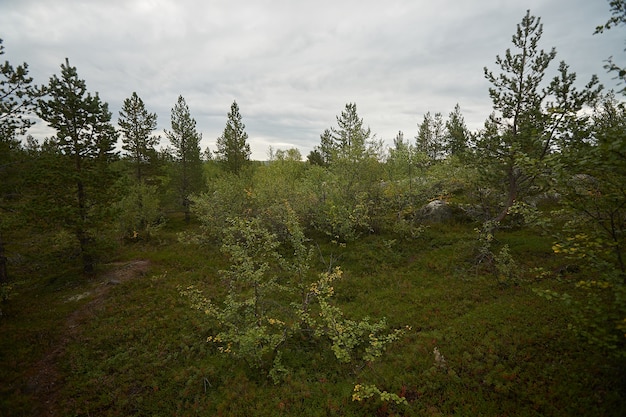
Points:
point(435, 212)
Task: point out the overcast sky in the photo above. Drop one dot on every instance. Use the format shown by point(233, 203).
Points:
point(292, 65)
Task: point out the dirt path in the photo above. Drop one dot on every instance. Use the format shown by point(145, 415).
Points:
point(46, 380)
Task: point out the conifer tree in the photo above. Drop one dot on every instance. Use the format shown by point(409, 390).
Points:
point(529, 117)
point(189, 176)
point(84, 142)
point(233, 149)
point(137, 125)
point(431, 136)
point(457, 134)
point(350, 138)
point(18, 98)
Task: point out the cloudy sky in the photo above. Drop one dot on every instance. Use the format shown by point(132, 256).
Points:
point(292, 65)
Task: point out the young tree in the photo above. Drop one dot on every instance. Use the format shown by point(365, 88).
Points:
point(185, 139)
point(353, 160)
point(528, 117)
point(350, 138)
point(233, 150)
point(137, 125)
point(84, 142)
point(399, 158)
point(457, 135)
point(323, 153)
point(430, 139)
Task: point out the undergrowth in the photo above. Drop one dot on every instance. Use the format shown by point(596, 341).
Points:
point(476, 347)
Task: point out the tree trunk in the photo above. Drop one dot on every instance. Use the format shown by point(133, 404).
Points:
point(83, 239)
point(85, 252)
point(186, 205)
point(512, 196)
point(4, 275)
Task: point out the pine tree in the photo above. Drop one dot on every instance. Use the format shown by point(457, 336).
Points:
point(233, 149)
point(529, 118)
point(350, 138)
point(18, 98)
point(137, 125)
point(189, 176)
point(84, 142)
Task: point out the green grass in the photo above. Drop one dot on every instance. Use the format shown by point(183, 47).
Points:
point(142, 350)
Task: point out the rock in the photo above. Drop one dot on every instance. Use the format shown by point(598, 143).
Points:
point(435, 212)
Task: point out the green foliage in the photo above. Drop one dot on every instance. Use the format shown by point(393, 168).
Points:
point(140, 214)
point(142, 350)
point(349, 140)
point(351, 341)
point(598, 298)
point(137, 125)
point(252, 327)
point(79, 159)
point(188, 175)
point(458, 136)
point(591, 238)
point(257, 318)
point(507, 270)
point(530, 119)
point(284, 330)
point(363, 392)
point(431, 137)
point(233, 149)
point(618, 17)
point(343, 220)
point(501, 264)
point(18, 97)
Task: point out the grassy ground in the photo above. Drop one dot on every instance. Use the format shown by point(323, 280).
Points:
point(133, 346)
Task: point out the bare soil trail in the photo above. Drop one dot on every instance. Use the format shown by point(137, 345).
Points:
point(45, 380)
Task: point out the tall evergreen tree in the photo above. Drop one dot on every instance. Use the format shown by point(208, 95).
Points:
point(137, 125)
point(233, 149)
point(189, 176)
point(84, 140)
point(528, 116)
point(457, 134)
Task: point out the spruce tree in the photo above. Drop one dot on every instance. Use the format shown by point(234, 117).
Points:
point(137, 125)
point(430, 139)
point(188, 172)
point(457, 134)
point(233, 150)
